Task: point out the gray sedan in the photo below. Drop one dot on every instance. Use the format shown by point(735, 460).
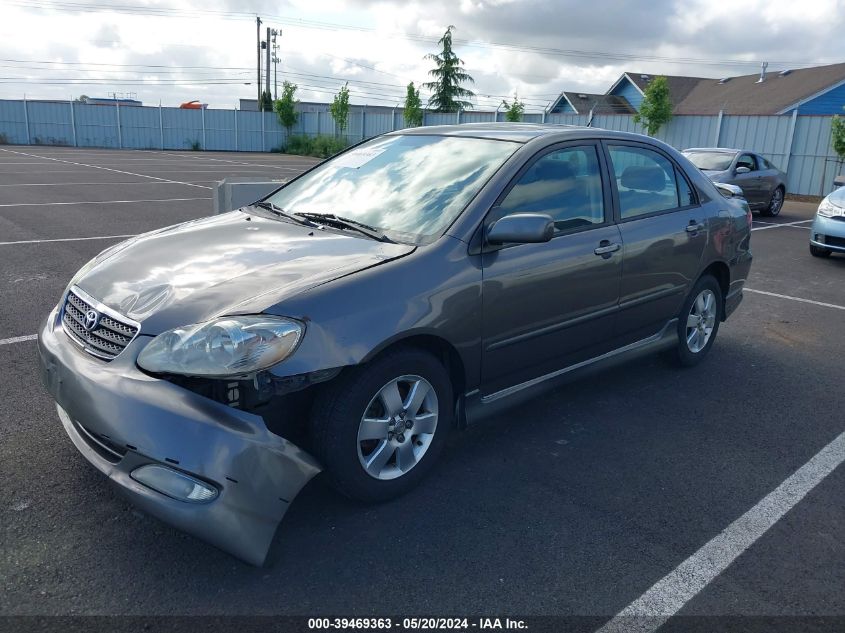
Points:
point(763, 184)
point(410, 286)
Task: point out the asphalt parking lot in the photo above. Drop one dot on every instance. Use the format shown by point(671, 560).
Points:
point(575, 504)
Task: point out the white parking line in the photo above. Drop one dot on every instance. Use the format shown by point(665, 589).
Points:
point(18, 339)
point(815, 303)
point(665, 598)
point(128, 173)
point(775, 226)
point(68, 239)
point(51, 204)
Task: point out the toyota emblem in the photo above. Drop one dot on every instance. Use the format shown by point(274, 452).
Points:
point(92, 319)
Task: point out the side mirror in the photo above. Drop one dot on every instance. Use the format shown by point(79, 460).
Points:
point(742, 169)
point(728, 191)
point(521, 228)
point(839, 181)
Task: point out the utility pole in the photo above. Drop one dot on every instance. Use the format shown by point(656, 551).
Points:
point(258, 65)
point(276, 61)
point(267, 43)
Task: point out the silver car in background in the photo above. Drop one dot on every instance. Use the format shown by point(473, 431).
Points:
point(827, 235)
point(763, 185)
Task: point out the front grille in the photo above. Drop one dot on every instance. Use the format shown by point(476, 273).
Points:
point(111, 334)
point(835, 241)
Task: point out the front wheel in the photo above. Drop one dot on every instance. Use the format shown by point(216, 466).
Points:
point(698, 322)
point(818, 251)
point(775, 203)
point(379, 428)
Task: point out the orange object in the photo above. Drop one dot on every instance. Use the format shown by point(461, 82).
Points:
point(192, 105)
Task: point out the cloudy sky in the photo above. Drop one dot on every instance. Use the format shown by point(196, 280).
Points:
point(171, 51)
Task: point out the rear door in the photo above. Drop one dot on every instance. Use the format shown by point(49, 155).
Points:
point(664, 234)
point(550, 305)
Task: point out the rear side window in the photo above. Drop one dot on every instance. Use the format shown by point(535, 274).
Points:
point(647, 182)
point(565, 184)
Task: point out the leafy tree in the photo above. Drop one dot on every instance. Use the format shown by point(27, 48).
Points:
point(413, 107)
point(514, 110)
point(656, 108)
point(447, 93)
point(285, 107)
point(266, 103)
point(340, 108)
point(82, 99)
point(837, 136)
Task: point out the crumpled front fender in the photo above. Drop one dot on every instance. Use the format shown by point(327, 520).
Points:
point(120, 419)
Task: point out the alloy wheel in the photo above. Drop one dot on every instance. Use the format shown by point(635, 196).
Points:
point(397, 427)
point(701, 320)
point(777, 202)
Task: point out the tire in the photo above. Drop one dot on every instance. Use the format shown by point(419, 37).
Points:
point(340, 434)
point(818, 251)
point(775, 203)
point(689, 352)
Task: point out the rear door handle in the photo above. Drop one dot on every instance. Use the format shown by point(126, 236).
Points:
point(694, 227)
point(605, 248)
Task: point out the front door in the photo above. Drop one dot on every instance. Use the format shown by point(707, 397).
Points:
point(550, 305)
point(664, 233)
point(751, 182)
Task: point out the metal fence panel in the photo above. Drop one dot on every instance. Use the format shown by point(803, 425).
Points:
point(139, 128)
point(13, 123)
point(96, 125)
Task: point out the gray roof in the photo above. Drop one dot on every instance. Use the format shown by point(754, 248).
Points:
point(679, 87)
point(519, 132)
point(744, 95)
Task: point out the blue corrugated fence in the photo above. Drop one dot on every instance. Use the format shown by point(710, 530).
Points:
point(800, 145)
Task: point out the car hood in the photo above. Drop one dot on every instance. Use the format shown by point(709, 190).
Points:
point(716, 175)
point(837, 197)
point(227, 264)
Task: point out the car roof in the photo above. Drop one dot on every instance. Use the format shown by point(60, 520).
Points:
point(718, 150)
point(517, 132)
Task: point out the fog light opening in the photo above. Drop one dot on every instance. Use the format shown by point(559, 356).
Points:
point(174, 483)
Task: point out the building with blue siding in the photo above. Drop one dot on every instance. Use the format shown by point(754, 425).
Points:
point(817, 90)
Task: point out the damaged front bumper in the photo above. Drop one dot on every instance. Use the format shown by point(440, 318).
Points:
point(121, 419)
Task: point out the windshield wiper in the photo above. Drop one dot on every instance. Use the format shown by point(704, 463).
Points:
point(285, 214)
point(331, 219)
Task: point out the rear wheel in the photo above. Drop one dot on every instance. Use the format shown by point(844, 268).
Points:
point(818, 251)
point(379, 428)
point(775, 203)
point(698, 322)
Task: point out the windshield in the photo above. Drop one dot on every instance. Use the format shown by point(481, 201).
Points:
point(711, 161)
point(410, 187)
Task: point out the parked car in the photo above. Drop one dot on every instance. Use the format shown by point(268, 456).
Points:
point(417, 282)
point(762, 184)
point(827, 235)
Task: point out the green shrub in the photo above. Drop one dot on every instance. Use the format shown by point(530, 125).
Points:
point(4, 140)
point(321, 146)
point(195, 145)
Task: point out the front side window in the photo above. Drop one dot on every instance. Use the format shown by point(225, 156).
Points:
point(565, 184)
point(747, 160)
point(646, 181)
point(410, 186)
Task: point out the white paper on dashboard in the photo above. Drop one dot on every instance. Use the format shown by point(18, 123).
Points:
point(357, 157)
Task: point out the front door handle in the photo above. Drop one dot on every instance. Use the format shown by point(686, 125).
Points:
point(606, 249)
point(694, 227)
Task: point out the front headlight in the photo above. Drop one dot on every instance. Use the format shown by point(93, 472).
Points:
point(228, 346)
point(829, 210)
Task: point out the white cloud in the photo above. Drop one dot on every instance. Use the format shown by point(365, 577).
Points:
point(677, 30)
